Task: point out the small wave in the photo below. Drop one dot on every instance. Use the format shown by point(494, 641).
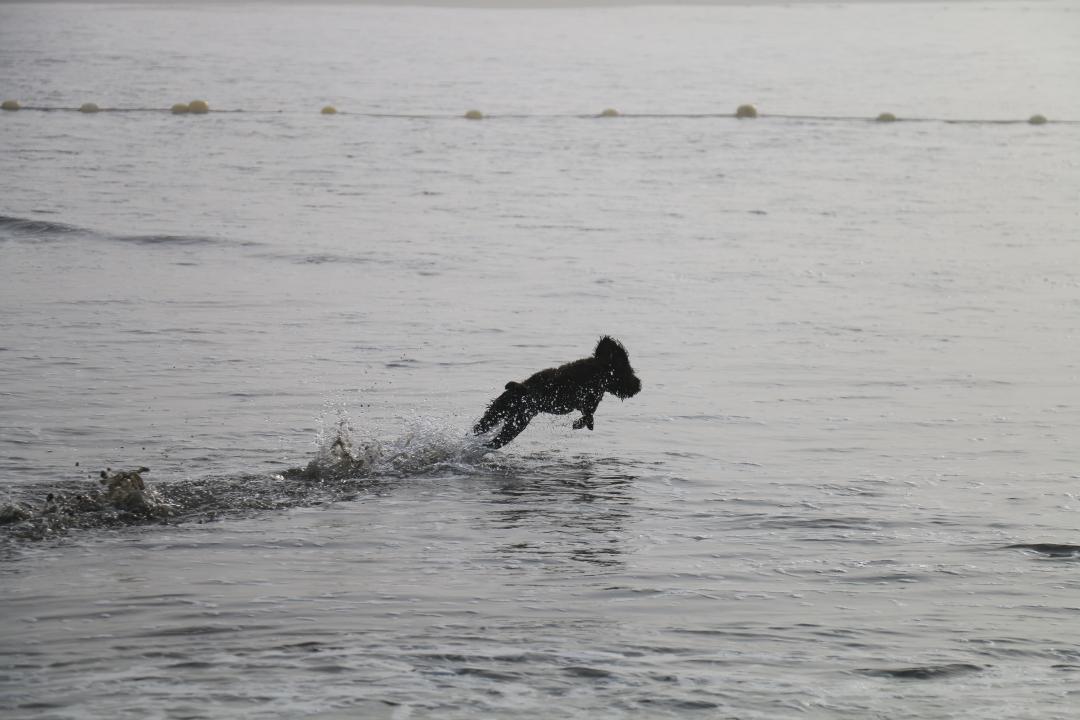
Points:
point(328, 258)
point(50, 231)
point(1055, 550)
point(791, 522)
point(25, 226)
point(726, 419)
point(167, 240)
point(324, 258)
point(923, 672)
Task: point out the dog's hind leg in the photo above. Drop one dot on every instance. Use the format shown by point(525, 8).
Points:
point(515, 409)
point(513, 426)
point(501, 408)
point(490, 419)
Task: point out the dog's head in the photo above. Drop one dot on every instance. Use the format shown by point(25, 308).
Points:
point(621, 381)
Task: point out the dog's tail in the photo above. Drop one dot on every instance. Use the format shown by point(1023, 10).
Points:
point(501, 407)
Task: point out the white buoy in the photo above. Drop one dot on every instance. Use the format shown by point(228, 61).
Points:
point(180, 108)
point(329, 110)
point(10, 105)
point(746, 111)
point(474, 115)
point(886, 117)
point(1037, 119)
point(609, 112)
point(89, 108)
point(199, 107)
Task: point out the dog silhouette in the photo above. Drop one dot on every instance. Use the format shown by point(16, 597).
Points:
point(578, 385)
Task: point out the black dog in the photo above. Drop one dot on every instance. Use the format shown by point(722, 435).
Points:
point(579, 385)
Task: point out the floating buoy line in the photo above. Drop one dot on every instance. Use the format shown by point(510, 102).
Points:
point(742, 112)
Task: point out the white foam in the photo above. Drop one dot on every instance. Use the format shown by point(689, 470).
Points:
point(424, 445)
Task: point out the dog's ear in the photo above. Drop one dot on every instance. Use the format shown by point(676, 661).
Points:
point(611, 352)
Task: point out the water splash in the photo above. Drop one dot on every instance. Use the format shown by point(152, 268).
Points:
point(427, 445)
point(347, 463)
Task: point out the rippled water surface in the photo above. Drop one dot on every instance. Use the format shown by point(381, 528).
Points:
point(848, 488)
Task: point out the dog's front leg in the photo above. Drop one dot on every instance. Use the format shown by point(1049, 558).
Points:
point(588, 407)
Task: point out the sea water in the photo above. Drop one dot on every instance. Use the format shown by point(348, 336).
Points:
point(848, 489)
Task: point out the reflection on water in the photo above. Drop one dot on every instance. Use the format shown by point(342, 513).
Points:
point(579, 509)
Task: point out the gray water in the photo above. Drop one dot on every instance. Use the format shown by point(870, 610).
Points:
point(847, 490)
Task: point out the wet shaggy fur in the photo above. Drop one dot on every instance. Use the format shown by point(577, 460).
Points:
point(578, 385)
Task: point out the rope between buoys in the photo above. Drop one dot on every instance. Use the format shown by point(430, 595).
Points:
point(743, 112)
